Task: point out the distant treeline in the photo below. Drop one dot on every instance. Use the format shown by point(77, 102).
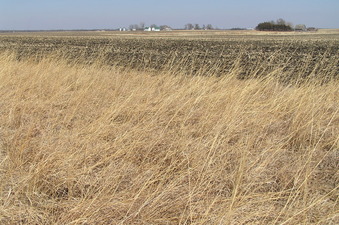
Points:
point(279, 25)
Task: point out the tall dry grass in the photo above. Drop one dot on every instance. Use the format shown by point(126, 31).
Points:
point(95, 145)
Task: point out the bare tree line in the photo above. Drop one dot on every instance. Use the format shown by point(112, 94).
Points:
point(190, 26)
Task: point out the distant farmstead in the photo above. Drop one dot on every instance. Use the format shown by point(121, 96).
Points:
point(303, 28)
point(152, 29)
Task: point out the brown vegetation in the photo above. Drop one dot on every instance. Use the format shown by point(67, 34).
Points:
point(95, 144)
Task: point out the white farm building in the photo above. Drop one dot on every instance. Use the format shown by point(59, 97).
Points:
point(152, 29)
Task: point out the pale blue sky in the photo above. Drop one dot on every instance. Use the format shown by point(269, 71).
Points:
point(109, 14)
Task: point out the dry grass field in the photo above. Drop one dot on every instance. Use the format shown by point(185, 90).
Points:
point(85, 141)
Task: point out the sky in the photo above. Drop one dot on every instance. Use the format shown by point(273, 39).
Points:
point(112, 14)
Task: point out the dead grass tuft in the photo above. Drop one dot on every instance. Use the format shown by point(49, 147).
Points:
point(89, 145)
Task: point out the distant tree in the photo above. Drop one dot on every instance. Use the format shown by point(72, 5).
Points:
point(142, 26)
point(289, 24)
point(209, 27)
point(189, 26)
point(197, 27)
point(280, 25)
point(300, 27)
point(134, 27)
point(281, 22)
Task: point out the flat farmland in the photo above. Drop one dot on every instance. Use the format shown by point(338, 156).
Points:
point(297, 55)
point(215, 127)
